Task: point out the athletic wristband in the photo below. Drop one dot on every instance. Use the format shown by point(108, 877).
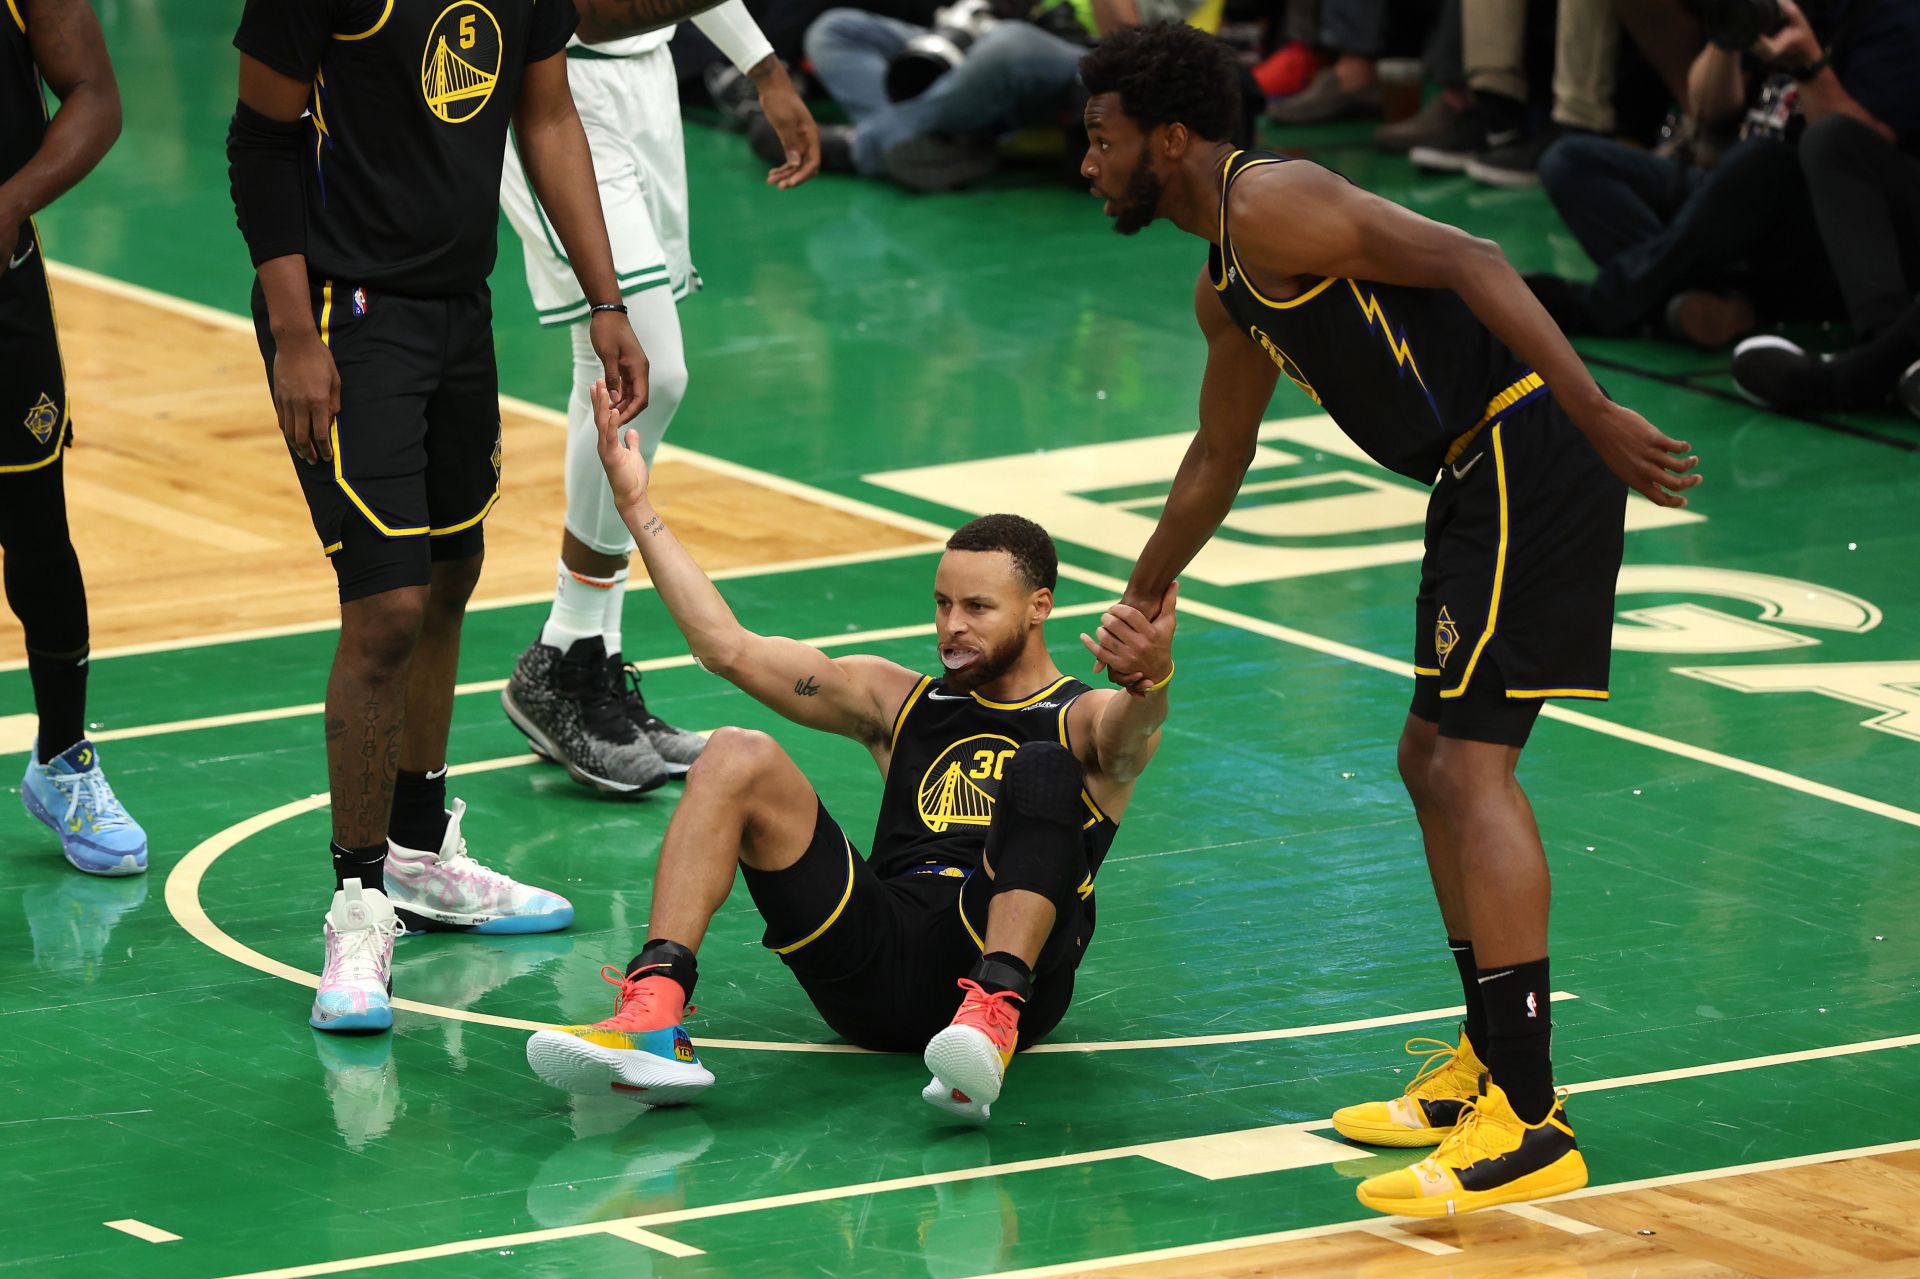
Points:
point(1812, 69)
point(618, 308)
point(268, 188)
point(735, 33)
point(1171, 668)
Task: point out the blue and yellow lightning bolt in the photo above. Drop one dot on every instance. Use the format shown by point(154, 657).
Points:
point(1401, 350)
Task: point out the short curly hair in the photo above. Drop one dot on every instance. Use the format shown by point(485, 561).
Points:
point(1029, 545)
point(1168, 73)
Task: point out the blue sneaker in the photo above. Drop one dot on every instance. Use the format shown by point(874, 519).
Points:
point(71, 797)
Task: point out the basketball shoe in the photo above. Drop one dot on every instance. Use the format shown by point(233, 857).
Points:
point(1446, 1084)
point(356, 983)
point(448, 891)
point(677, 747)
point(566, 705)
point(642, 1051)
point(969, 1058)
point(1491, 1157)
point(70, 796)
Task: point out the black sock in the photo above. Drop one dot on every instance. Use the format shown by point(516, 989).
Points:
point(60, 696)
point(1002, 970)
point(368, 865)
point(1520, 1036)
point(419, 809)
point(1475, 1028)
point(667, 959)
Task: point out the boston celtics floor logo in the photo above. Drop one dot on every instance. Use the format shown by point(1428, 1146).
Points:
point(461, 63)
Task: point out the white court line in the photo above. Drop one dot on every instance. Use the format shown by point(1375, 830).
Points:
point(1368, 1224)
point(141, 1230)
point(1406, 1239)
point(1553, 1220)
point(183, 902)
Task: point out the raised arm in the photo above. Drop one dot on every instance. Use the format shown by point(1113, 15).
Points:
point(1334, 228)
point(1113, 733)
point(1234, 395)
point(72, 56)
point(855, 697)
point(553, 148)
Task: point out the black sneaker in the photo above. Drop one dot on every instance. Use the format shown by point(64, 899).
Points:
point(933, 163)
point(733, 93)
point(677, 747)
point(1430, 126)
point(566, 707)
point(1489, 123)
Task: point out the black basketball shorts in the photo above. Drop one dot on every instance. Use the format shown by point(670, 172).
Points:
point(34, 420)
point(1524, 536)
point(416, 445)
point(882, 959)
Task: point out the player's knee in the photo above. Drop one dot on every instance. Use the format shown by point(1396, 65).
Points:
point(378, 632)
point(1043, 781)
point(666, 383)
point(734, 758)
point(454, 582)
point(1415, 758)
point(1035, 842)
point(1460, 771)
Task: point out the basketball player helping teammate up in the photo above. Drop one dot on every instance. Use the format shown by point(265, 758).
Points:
point(1429, 352)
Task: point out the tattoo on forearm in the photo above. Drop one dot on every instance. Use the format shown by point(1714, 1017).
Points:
point(808, 687)
point(602, 20)
point(654, 526)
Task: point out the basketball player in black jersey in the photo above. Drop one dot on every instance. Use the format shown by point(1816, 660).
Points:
point(365, 156)
point(1427, 350)
point(64, 787)
point(1004, 783)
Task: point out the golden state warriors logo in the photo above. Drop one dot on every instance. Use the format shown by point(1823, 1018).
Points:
point(960, 786)
point(1446, 637)
point(1284, 361)
point(43, 417)
point(496, 455)
point(462, 61)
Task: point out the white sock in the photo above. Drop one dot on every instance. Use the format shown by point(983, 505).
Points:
point(579, 607)
point(615, 597)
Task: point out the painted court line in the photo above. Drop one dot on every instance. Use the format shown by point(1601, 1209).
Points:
point(141, 1230)
point(1407, 1239)
point(1553, 1220)
point(183, 902)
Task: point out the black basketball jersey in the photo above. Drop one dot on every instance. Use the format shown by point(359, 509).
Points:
point(1407, 373)
point(407, 127)
point(949, 752)
point(23, 109)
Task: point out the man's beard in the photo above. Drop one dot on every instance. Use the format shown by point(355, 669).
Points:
point(986, 668)
point(1139, 204)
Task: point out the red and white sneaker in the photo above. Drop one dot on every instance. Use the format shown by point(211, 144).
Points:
point(969, 1058)
point(642, 1051)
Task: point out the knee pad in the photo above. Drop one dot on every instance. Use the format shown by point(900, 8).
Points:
point(1034, 842)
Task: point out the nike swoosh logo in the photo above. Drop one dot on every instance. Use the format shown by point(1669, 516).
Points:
point(1460, 472)
point(1506, 137)
point(947, 697)
point(1495, 976)
point(14, 262)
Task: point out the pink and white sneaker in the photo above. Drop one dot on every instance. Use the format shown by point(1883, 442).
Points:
point(969, 1058)
point(448, 891)
point(357, 980)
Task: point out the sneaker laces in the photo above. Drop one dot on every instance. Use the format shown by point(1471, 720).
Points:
point(626, 686)
point(460, 862)
point(103, 807)
point(1474, 1138)
point(1439, 1055)
point(999, 1010)
point(634, 999)
point(600, 706)
point(359, 953)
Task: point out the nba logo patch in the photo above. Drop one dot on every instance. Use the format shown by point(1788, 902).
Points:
point(360, 300)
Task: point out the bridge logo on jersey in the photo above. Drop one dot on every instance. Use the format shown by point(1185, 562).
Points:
point(1284, 361)
point(462, 61)
point(43, 417)
point(1446, 637)
point(961, 784)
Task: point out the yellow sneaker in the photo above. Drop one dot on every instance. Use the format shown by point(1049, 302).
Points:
point(1448, 1080)
point(1491, 1157)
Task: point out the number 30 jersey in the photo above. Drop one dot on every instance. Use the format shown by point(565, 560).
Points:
point(950, 751)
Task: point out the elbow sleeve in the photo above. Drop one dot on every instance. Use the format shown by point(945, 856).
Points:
point(269, 194)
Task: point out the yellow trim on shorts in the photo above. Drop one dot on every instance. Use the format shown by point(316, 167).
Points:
point(1426, 670)
point(844, 899)
point(464, 525)
point(960, 907)
point(370, 31)
point(14, 9)
point(1499, 572)
point(900, 719)
point(328, 550)
point(333, 434)
point(1592, 694)
point(60, 356)
point(1498, 404)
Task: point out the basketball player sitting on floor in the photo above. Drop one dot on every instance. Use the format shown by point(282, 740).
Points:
point(1005, 781)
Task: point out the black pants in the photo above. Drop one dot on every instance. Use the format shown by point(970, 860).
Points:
point(1656, 228)
point(1866, 199)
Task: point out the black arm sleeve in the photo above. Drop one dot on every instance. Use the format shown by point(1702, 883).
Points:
point(553, 24)
point(269, 193)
